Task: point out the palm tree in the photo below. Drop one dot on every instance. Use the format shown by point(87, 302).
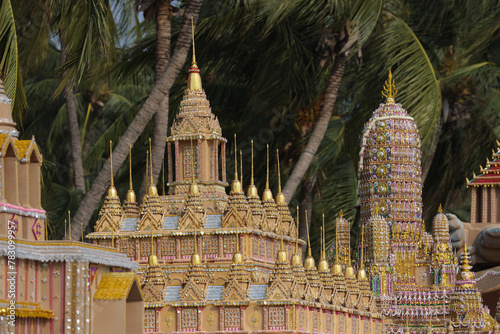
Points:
point(9, 62)
point(137, 126)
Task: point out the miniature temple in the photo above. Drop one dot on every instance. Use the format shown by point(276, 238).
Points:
point(53, 286)
point(211, 261)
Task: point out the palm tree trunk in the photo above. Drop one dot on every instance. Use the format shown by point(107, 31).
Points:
point(74, 129)
point(428, 162)
point(141, 120)
point(160, 125)
point(319, 130)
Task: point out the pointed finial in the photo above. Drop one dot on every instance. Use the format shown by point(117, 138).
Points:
point(440, 210)
point(281, 239)
point(111, 162)
point(152, 243)
point(151, 163)
point(267, 168)
point(195, 242)
point(361, 265)
point(321, 242)
point(467, 179)
point(193, 188)
point(131, 186)
point(308, 240)
point(237, 239)
point(492, 153)
point(252, 181)
point(337, 239)
point(147, 168)
point(279, 173)
point(389, 89)
point(163, 175)
point(241, 168)
point(297, 236)
point(192, 161)
point(65, 228)
point(194, 78)
point(487, 161)
point(69, 224)
point(480, 168)
point(474, 175)
point(192, 37)
point(324, 238)
point(341, 213)
point(235, 159)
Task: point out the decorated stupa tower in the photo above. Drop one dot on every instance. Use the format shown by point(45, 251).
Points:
point(466, 306)
point(398, 248)
point(195, 123)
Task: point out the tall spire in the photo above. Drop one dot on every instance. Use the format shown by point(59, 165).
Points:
point(194, 78)
point(153, 259)
point(323, 264)
point(112, 190)
point(252, 189)
point(193, 188)
point(163, 175)
point(296, 261)
point(267, 196)
point(241, 169)
point(236, 185)
point(309, 263)
point(280, 198)
point(152, 191)
point(237, 256)
point(195, 258)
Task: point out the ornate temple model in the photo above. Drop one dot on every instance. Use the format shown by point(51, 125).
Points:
point(212, 262)
point(413, 273)
point(54, 286)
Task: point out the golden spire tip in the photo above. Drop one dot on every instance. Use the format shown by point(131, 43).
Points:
point(308, 240)
point(151, 162)
point(235, 159)
point(131, 186)
point(192, 37)
point(241, 168)
point(390, 90)
point(341, 213)
point(111, 161)
point(279, 172)
point(440, 210)
point(251, 176)
point(267, 168)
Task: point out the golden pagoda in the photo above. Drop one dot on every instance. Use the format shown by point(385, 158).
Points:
point(230, 262)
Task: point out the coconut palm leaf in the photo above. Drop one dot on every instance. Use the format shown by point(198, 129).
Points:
point(9, 61)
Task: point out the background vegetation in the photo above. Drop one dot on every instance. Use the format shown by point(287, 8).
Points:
point(301, 76)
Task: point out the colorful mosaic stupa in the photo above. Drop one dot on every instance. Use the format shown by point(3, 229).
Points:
point(415, 277)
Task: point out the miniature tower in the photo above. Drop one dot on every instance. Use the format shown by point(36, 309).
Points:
point(130, 206)
point(111, 214)
point(270, 219)
point(196, 122)
point(253, 199)
point(467, 311)
point(285, 220)
point(442, 254)
point(390, 178)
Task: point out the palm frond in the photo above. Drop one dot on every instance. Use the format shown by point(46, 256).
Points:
point(9, 62)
